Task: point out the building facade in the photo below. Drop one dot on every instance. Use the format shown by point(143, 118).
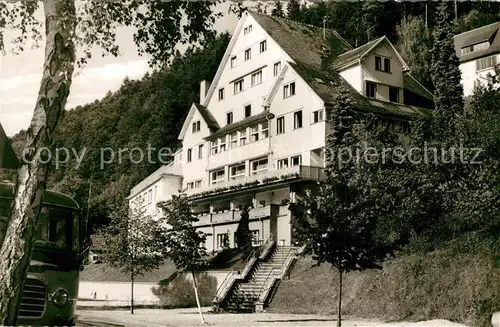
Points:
point(478, 51)
point(257, 135)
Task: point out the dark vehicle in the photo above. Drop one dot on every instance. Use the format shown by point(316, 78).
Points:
point(51, 289)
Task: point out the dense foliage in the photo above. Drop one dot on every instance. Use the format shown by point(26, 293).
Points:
point(243, 237)
point(148, 111)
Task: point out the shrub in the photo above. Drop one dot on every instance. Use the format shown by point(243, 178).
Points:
point(179, 293)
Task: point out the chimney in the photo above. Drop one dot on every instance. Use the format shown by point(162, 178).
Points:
point(204, 86)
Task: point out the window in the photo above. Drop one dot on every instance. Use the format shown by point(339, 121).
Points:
point(215, 147)
point(276, 68)
point(485, 63)
point(371, 89)
point(297, 119)
point(378, 63)
point(259, 166)
point(475, 47)
point(196, 126)
point(237, 172)
point(296, 161)
point(222, 241)
point(229, 118)
point(248, 54)
point(247, 29)
point(255, 237)
point(197, 184)
point(221, 94)
point(233, 61)
point(387, 65)
point(238, 86)
point(248, 110)
point(393, 94)
point(150, 196)
point(190, 185)
point(289, 90)
point(217, 176)
point(243, 137)
point(257, 78)
point(189, 155)
point(222, 144)
point(263, 46)
point(265, 130)
point(156, 187)
point(56, 228)
point(283, 163)
point(254, 134)
point(317, 116)
point(280, 125)
point(233, 140)
point(200, 151)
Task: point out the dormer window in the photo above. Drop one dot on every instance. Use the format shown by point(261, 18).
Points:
point(288, 90)
point(371, 90)
point(393, 94)
point(247, 29)
point(387, 65)
point(475, 47)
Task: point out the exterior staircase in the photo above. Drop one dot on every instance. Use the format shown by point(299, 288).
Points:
point(251, 292)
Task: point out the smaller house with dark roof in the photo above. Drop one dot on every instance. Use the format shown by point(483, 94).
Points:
point(478, 52)
point(257, 135)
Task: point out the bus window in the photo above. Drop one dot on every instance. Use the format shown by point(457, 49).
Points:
point(54, 228)
point(76, 232)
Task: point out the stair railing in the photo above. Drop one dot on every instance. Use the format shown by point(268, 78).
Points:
point(223, 288)
point(247, 264)
point(267, 247)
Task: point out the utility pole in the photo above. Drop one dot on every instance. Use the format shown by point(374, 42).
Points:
point(324, 26)
point(456, 10)
point(425, 14)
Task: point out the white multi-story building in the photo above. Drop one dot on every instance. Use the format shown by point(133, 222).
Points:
point(478, 51)
point(257, 136)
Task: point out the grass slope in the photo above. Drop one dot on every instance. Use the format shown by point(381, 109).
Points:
point(439, 285)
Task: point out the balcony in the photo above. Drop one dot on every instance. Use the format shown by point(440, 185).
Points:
point(232, 215)
point(263, 178)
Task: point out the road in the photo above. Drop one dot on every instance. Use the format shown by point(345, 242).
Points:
point(190, 317)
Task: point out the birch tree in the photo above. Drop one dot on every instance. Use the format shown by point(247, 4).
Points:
point(68, 28)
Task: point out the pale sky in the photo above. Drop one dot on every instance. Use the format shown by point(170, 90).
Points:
point(20, 76)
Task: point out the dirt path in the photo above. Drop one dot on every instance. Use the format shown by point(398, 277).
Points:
point(190, 317)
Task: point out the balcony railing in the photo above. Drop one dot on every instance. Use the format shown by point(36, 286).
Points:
point(232, 215)
point(263, 178)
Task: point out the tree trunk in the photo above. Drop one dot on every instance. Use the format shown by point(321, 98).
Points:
point(132, 294)
point(339, 314)
point(197, 298)
point(17, 247)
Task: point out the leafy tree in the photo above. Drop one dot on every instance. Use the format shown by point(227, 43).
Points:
point(183, 243)
point(70, 27)
point(278, 9)
point(414, 44)
point(130, 243)
point(445, 74)
point(293, 10)
point(331, 220)
point(243, 236)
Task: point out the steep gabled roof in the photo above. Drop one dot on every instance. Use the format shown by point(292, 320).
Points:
point(205, 114)
point(350, 57)
point(487, 33)
point(411, 84)
point(303, 43)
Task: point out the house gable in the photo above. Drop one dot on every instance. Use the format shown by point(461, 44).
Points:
point(198, 112)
